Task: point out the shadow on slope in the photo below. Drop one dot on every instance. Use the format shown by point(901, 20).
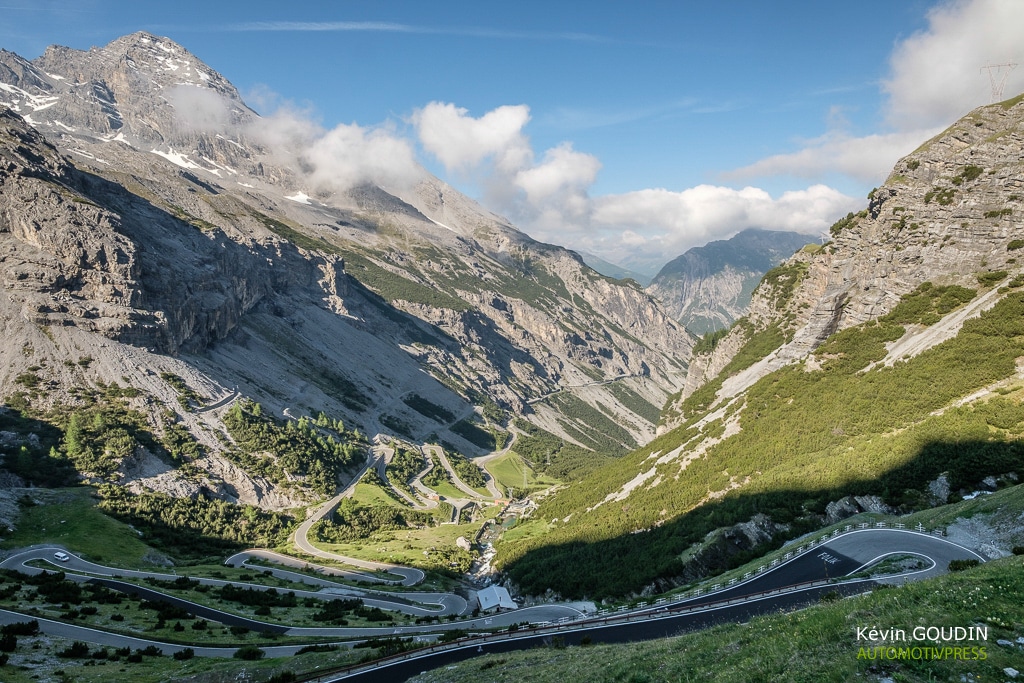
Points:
point(593, 567)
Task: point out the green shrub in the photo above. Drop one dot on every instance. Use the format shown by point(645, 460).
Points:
point(302, 449)
point(961, 565)
point(709, 341)
point(195, 528)
point(928, 302)
point(992, 278)
point(848, 221)
point(475, 434)
point(428, 409)
point(249, 653)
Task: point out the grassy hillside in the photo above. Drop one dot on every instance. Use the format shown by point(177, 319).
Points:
point(808, 435)
point(816, 645)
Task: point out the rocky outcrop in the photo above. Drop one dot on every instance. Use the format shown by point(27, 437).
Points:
point(949, 212)
point(838, 510)
point(716, 552)
point(65, 259)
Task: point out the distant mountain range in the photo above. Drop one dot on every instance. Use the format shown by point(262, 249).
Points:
point(708, 287)
point(615, 271)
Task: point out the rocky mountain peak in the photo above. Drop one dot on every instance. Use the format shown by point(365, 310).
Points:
point(140, 90)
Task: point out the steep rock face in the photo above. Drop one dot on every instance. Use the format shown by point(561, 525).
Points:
point(99, 257)
point(949, 212)
point(709, 287)
point(65, 261)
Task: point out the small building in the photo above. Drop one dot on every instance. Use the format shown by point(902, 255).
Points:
point(495, 598)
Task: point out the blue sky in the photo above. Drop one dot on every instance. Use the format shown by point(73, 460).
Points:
point(632, 131)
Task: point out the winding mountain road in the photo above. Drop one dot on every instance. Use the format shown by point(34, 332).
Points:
point(420, 604)
point(785, 586)
point(410, 576)
point(438, 453)
point(782, 586)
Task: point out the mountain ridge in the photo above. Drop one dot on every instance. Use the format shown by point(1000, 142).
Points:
point(230, 254)
point(709, 287)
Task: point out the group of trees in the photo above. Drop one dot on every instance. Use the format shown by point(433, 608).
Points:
point(91, 438)
point(469, 473)
point(317, 451)
point(336, 611)
point(195, 528)
point(404, 466)
point(554, 456)
point(352, 521)
point(33, 452)
point(476, 434)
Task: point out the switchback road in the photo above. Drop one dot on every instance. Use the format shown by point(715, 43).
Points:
point(781, 587)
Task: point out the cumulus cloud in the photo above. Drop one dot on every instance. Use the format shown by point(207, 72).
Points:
point(646, 228)
point(495, 148)
point(460, 141)
point(550, 196)
point(936, 76)
point(339, 158)
point(564, 170)
point(200, 108)
point(349, 155)
point(867, 159)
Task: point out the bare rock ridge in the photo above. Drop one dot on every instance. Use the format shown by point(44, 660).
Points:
point(165, 242)
point(86, 271)
point(949, 212)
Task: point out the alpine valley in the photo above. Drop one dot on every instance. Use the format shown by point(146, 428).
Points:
point(207, 336)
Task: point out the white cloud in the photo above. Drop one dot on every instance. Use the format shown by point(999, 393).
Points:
point(349, 155)
point(936, 77)
point(550, 198)
point(391, 27)
point(494, 148)
point(340, 158)
point(646, 228)
point(460, 141)
point(201, 108)
point(937, 73)
point(868, 159)
point(558, 185)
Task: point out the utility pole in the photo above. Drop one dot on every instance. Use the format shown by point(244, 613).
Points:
point(997, 74)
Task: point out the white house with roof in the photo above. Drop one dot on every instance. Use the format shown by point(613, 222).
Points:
point(495, 598)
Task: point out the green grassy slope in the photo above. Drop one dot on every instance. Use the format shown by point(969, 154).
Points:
point(808, 436)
